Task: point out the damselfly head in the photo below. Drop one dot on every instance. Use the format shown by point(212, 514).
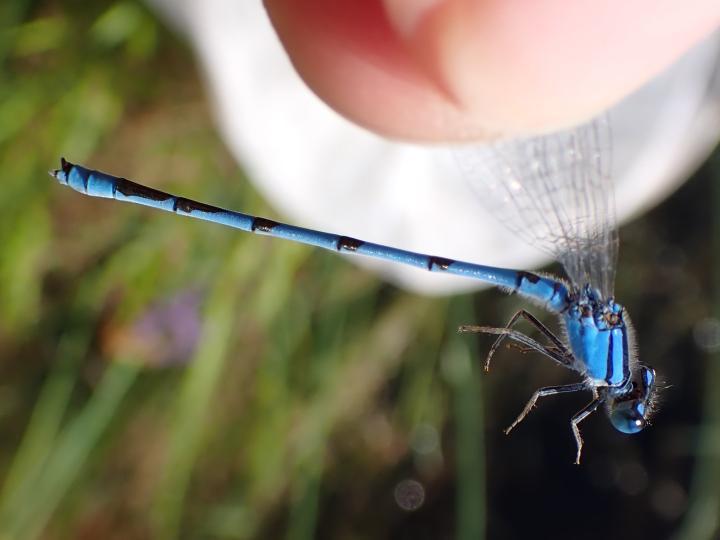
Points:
point(630, 410)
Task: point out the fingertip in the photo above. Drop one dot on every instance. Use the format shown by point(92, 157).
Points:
point(350, 55)
point(438, 70)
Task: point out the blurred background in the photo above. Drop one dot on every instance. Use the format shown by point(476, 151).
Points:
point(164, 378)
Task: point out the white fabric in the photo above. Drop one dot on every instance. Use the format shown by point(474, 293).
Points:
point(321, 171)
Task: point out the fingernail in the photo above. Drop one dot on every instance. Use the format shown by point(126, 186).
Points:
point(407, 15)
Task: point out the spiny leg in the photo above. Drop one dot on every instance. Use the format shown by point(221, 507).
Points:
point(579, 417)
point(529, 317)
point(542, 392)
point(557, 351)
point(525, 350)
point(551, 352)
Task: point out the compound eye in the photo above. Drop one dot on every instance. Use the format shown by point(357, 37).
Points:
point(648, 378)
point(627, 416)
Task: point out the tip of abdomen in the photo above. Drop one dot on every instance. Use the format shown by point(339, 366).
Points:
point(61, 174)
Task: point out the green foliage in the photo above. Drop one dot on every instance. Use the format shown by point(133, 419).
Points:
point(306, 374)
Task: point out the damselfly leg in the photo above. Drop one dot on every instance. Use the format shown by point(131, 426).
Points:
point(576, 419)
point(579, 417)
point(526, 350)
point(557, 345)
point(557, 351)
point(548, 391)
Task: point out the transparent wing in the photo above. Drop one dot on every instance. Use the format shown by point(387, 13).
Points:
point(554, 192)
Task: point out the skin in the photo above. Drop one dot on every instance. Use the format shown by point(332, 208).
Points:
point(449, 70)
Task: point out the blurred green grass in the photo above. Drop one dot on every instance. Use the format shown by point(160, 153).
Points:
point(165, 378)
point(301, 375)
